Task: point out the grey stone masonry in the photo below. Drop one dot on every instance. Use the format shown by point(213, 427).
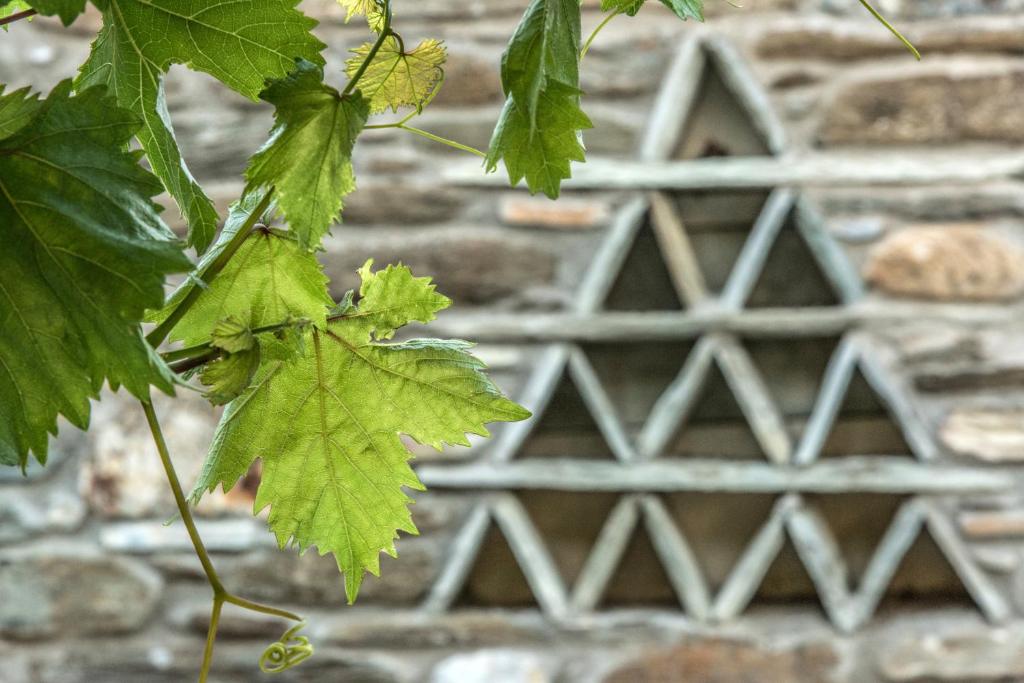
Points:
point(771, 336)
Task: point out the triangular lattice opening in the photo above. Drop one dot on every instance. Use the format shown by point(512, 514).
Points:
point(640, 579)
point(793, 370)
point(643, 282)
point(858, 522)
point(635, 376)
point(496, 579)
point(925, 578)
point(718, 224)
point(792, 277)
point(864, 425)
point(718, 123)
point(716, 427)
point(569, 523)
point(786, 581)
point(566, 428)
point(719, 528)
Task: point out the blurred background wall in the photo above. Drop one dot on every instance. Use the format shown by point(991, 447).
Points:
point(881, 319)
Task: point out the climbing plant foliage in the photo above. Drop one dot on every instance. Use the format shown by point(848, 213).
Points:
point(316, 389)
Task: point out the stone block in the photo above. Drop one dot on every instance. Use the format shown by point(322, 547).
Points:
point(469, 264)
point(283, 576)
point(495, 666)
point(564, 214)
point(947, 263)
point(975, 104)
point(992, 656)
point(991, 435)
point(60, 594)
point(727, 661)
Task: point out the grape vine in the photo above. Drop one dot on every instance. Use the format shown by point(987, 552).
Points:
point(314, 388)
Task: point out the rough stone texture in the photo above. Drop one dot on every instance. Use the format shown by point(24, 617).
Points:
point(472, 265)
point(496, 666)
point(990, 435)
point(948, 263)
point(721, 661)
point(994, 657)
point(284, 576)
point(928, 107)
point(123, 476)
point(74, 594)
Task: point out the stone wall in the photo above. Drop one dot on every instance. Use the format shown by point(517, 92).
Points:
point(95, 586)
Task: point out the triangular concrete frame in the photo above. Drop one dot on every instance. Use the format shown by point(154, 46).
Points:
point(856, 352)
point(791, 516)
point(679, 92)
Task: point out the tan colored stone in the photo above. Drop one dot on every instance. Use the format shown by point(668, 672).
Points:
point(724, 661)
point(894, 111)
point(949, 263)
point(540, 212)
point(992, 523)
point(990, 435)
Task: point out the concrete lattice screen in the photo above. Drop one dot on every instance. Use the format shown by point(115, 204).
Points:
point(718, 469)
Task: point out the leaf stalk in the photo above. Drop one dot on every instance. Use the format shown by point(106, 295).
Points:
point(18, 16)
point(220, 594)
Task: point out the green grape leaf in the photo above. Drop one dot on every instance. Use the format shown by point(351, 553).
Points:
point(17, 110)
point(240, 43)
point(392, 298)
point(84, 254)
point(230, 375)
point(371, 9)
point(308, 159)
point(629, 7)
point(395, 78)
point(270, 280)
point(538, 134)
point(327, 428)
point(684, 9)
point(67, 10)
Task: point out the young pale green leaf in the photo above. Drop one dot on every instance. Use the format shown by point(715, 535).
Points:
point(243, 44)
point(270, 280)
point(538, 133)
point(84, 254)
point(308, 159)
point(371, 9)
point(327, 428)
point(395, 78)
point(17, 108)
point(230, 375)
point(232, 335)
point(393, 298)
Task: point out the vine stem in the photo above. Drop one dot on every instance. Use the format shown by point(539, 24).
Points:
point(17, 16)
point(159, 334)
point(892, 29)
point(401, 125)
point(385, 33)
point(220, 594)
point(211, 638)
point(600, 27)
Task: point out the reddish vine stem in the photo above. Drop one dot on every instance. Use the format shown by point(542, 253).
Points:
point(18, 16)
